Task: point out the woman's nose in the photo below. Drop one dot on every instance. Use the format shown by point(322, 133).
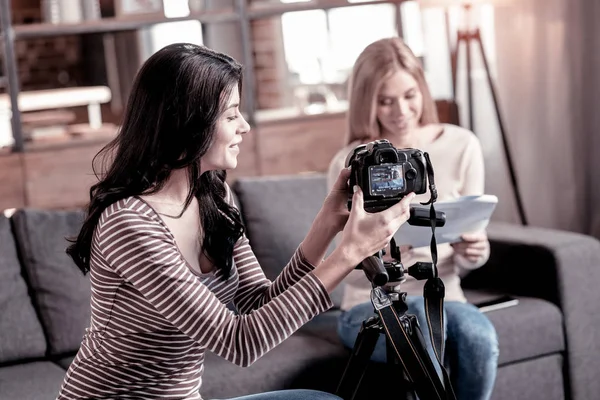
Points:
point(402, 107)
point(245, 128)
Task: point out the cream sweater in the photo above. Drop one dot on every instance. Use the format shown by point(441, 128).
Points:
point(459, 171)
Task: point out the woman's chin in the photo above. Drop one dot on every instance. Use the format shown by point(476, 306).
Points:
point(402, 129)
point(231, 164)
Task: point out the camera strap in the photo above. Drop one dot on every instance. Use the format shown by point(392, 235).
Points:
point(434, 312)
point(434, 290)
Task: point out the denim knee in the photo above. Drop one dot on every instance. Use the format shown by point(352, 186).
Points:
point(473, 332)
point(350, 322)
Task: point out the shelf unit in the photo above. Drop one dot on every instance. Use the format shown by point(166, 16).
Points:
point(242, 12)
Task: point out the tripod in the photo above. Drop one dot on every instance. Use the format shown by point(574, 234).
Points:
point(468, 36)
point(418, 372)
point(405, 346)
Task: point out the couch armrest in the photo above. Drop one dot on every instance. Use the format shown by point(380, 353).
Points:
point(559, 266)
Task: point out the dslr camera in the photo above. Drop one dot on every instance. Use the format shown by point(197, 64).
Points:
point(386, 174)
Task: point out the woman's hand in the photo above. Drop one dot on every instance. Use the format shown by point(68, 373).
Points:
point(366, 233)
point(329, 221)
point(473, 246)
point(334, 211)
point(363, 234)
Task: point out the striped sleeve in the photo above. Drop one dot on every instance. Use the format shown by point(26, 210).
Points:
point(255, 289)
point(137, 248)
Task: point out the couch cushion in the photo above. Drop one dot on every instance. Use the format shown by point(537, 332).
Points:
point(61, 292)
point(532, 328)
point(536, 379)
point(278, 212)
point(21, 334)
point(324, 326)
point(283, 367)
point(65, 361)
point(31, 381)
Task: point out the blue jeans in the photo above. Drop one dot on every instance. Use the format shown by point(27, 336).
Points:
point(471, 343)
point(291, 394)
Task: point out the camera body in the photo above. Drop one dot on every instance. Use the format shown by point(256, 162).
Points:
point(386, 174)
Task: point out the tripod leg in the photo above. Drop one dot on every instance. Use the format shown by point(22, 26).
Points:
point(410, 348)
point(359, 358)
point(408, 389)
point(469, 83)
point(513, 176)
point(453, 50)
point(433, 378)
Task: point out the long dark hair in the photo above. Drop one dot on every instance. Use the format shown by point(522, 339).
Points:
point(177, 97)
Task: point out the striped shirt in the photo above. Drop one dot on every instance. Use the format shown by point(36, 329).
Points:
point(153, 318)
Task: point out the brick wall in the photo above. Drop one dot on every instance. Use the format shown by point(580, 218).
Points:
point(267, 53)
point(51, 62)
point(269, 62)
point(47, 62)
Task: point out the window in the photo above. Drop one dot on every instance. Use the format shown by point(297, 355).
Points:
point(436, 44)
point(327, 51)
point(158, 36)
point(319, 58)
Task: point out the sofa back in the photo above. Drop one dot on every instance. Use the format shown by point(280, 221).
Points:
point(21, 334)
point(60, 292)
point(278, 212)
point(45, 299)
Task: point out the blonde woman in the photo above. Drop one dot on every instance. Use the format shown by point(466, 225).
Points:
point(389, 99)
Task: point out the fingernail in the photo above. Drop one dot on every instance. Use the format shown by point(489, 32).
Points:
point(355, 188)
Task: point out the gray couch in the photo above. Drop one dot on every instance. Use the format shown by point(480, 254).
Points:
point(548, 343)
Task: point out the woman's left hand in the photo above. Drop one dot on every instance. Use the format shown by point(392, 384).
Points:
point(335, 206)
point(473, 246)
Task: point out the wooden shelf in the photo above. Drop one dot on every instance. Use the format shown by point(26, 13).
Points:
point(116, 24)
point(90, 138)
point(263, 10)
point(105, 25)
point(34, 100)
point(295, 114)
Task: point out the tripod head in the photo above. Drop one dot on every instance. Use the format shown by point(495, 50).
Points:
point(380, 272)
point(393, 273)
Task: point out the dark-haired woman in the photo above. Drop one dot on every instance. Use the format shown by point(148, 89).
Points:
point(165, 245)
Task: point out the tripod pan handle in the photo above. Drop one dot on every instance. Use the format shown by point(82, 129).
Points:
point(375, 270)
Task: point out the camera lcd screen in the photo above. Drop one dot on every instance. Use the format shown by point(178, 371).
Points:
point(386, 180)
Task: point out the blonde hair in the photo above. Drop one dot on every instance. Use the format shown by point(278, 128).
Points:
point(376, 63)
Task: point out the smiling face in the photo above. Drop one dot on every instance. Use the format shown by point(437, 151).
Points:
point(230, 127)
point(399, 105)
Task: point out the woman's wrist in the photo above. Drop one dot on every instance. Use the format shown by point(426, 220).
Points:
point(335, 268)
point(326, 226)
point(317, 241)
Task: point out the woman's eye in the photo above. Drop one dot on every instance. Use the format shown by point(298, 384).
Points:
point(386, 102)
point(233, 117)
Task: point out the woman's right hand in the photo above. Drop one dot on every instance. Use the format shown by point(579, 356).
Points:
point(366, 233)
